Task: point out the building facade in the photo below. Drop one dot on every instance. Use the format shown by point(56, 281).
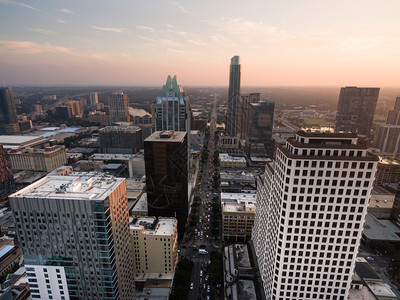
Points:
point(245, 113)
point(154, 244)
point(118, 104)
point(166, 163)
point(93, 99)
point(388, 171)
point(8, 113)
point(233, 96)
point(74, 235)
point(30, 159)
point(6, 178)
point(356, 110)
point(387, 136)
point(121, 139)
point(172, 108)
point(311, 207)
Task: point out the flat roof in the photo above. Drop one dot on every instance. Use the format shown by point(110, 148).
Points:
point(240, 207)
point(5, 250)
point(107, 156)
point(130, 128)
point(19, 140)
point(235, 197)
point(178, 137)
point(381, 289)
point(164, 226)
point(75, 186)
point(383, 230)
point(228, 157)
point(343, 135)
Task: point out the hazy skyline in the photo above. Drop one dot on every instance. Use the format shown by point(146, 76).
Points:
point(141, 42)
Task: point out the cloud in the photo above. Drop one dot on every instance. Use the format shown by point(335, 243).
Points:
point(18, 4)
point(112, 29)
point(177, 32)
point(26, 47)
point(164, 42)
point(197, 42)
point(169, 25)
point(181, 7)
point(146, 28)
point(61, 21)
point(42, 31)
point(65, 10)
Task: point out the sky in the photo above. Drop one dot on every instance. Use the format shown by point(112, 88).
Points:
point(130, 42)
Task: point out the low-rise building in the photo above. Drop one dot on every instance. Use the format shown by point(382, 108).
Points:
point(89, 165)
point(237, 219)
point(30, 159)
point(381, 203)
point(230, 144)
point(229, 161)
point(154, 244)
point(388, 171)
point(121, 139)
point(9, 256)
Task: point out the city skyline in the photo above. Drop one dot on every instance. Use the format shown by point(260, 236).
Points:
point(285, 43)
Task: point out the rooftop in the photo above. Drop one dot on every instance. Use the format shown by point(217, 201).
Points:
point(240, 207)
point(152, 226)
point(176, 136)
point(236, 197)
point(382, 230)
point(227, 157)
point(120, 128)
point(75, 186)
point(107, 156)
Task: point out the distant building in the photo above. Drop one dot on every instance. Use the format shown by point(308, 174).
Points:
point(80, 225)
point(25, 126)
point(229, 161)
point(261, 124)
point(121, 139)
point(154, 244)
point(6, 178)
point(75, 108)
point(118, 104)
point(63, 112)
point(230, 144)
point(233, 96)
point(356, 110)
point(172, 107)
point(387, 136)
point(8, 113)
point(10, 256)
point(93, 99)
point(166, 162)
point(245, 113)
point(99, 117)
point(38, 109)
point(381, 203)
point(29, 159)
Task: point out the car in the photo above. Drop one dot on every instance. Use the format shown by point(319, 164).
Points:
point(191, 286)
point(208, 297)
point(208, 288)
point(201, 273)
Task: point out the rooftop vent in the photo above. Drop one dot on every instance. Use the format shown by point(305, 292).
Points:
point(166, 134)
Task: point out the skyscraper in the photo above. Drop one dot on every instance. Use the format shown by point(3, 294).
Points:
point(387, 136)
point(245, 112)
point(166, 163)
point(233, 96)
point(8, 113)
point(94, 98)
point(75, 239)
point(172, 107)
point(261, 124)
point(356, 109)
point(118, 103)
point(311, 206)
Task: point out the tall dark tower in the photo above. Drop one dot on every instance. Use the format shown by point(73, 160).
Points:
point(233, 96)
point(166, 161)
point(8, 114)
point(356, 109)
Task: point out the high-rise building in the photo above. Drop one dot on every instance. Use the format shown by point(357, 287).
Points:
point(261, 124)
point(172, 108)
point(8, 113)
point(6, 178)
point(311, 206)
point(154, 244)
point(356, 109)
point(387, 136)
point(63, 112)
point(166, 163)
point(74, 235)
point(121, 139)
point(233, 96)
point(118, 104)
point(75, 108)
point(245, 113)
point(94, 98)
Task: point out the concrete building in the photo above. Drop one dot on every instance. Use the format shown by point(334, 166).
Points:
point(311, 206)
point(387, 136)
point(229, 161)
point(154, 244)
point(93, 99)
point(6, 178)
point(380, 230)
point(74, 235)
point(63, 112)
point(10, 256)
point(388, 171)
point(30, 159)
point(166, 162)
point(245, 113)
point(233, 96)
point(118, 105)
point(230, 144)
point(356, 110)
point(121, 139)
point(237, 219)
point(99, 117)
point(8, 113)
point(172, 108)
point(381, 203)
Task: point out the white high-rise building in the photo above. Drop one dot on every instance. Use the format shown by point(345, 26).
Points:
point(94, 98)
point(311, 206)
